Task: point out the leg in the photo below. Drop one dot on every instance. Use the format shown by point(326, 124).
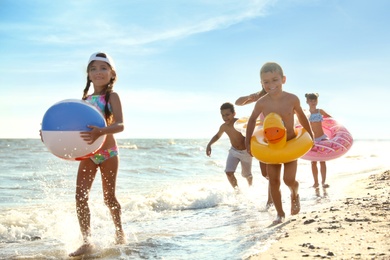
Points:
point(249, 180)
point(290, 171)
point(270, 202)
point(263, 169)
point(323, 174)
point(231, 166)
point(246, 166)
point(109, 171)
point(232, 179)
point(85, 177)
point(273, 171)
point(314, 170)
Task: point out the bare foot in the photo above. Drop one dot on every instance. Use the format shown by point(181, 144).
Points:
point(278, 220)
point(295, 205)
point(237, 190)
point(82, 250)
point(316, 185)
point(325, 185)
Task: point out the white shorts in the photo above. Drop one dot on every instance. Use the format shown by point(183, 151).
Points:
point(235, 156)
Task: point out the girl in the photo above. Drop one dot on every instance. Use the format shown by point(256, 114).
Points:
point(101, 73)
point(315, 119)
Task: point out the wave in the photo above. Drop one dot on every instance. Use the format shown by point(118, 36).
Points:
point(130, 147)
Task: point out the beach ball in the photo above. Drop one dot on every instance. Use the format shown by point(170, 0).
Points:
point(61, 127)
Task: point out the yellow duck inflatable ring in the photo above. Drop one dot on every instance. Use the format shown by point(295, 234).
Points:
point(269, 141)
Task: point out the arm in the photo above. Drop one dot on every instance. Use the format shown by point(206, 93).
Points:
point(244, 100)
point(324, 114)
point(251, 126)
point(114, 128)
point(303, 120)
point(213, 140)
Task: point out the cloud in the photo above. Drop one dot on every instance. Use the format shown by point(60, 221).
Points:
point(124, 26)
point(196, 25)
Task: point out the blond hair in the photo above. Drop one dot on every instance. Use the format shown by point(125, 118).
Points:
point(271, 67)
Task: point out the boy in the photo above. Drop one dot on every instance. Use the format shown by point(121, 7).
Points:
point(237, 152)
point(245, 100)
point(286, 105)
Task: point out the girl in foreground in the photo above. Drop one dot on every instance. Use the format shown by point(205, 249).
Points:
point(101, 73)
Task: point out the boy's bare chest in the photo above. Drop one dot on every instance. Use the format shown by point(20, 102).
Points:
point(279, 108)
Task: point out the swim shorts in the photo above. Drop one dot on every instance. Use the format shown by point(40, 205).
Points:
point(102, 155)
point(235, 156)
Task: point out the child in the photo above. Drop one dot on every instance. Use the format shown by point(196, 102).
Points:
point(237, 152)
point(315, 119)
point(245, 100)
point(286, 105)
point(101, 73)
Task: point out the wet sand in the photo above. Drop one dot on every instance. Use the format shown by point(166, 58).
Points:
point(356, 227)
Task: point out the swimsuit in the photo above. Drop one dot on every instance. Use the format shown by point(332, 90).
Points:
point(101, 155)
point(235, 156)
point(317, 117)
point(98, 101)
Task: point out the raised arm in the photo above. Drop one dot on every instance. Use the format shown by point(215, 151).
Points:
point(244, 100)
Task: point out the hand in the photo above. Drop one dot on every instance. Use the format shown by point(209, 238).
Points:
point(208, 151)
point(248, 147)
point(91, 136)
point(253, 97)
point(249, 151)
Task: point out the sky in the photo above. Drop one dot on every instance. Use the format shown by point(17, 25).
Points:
point(178, 61)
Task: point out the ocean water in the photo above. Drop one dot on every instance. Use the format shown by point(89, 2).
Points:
point(176, 202)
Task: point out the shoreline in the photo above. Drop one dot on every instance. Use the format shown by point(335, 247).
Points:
point(355, 227)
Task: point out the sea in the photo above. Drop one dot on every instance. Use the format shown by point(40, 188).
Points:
point(176, 202)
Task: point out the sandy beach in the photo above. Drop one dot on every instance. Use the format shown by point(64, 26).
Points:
point(356, 227)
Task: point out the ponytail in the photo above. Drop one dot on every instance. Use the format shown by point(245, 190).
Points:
point(107, 112)
point(86, 89)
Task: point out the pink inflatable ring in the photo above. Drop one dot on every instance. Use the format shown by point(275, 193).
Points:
point(338, 143)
